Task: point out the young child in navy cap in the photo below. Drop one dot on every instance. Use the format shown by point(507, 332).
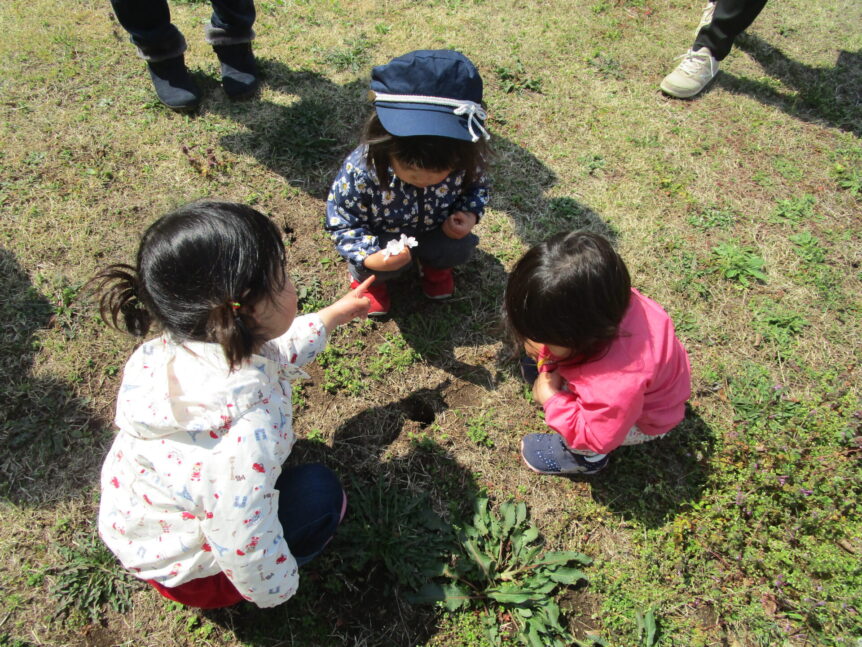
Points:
point(416, 186)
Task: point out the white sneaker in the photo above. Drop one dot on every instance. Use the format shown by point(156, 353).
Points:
point(706, 18)
point(692, 75)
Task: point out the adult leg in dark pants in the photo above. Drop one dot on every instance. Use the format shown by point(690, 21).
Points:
point(729, 18)
point(162, 46)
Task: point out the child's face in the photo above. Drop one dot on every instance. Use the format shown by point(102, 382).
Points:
point(418, 177)
point(275, 315)
point(533, 348)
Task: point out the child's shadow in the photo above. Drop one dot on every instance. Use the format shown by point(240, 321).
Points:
point(653, 482)
point(46, 441)
point(392, 470)
point(824, 94)
point(305, 133)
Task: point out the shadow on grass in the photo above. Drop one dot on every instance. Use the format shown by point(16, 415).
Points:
point(390, 540)
point(437, 329)
point(47, 445)
point(651, 483)
point(306, 135)
point(831, 95)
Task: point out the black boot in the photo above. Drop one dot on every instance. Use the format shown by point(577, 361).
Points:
point(174, 85)
point(238, 70)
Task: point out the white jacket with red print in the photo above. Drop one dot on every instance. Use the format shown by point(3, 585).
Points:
point(188, 487)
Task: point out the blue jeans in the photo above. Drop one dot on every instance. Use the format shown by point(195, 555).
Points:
point(435, 249)
point(149, 25)
point(310, 501)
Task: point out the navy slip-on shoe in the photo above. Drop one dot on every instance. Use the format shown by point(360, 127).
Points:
point(238, 70)
point(174, 85)
point(548, 454)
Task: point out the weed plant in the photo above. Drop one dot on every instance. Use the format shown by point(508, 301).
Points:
point(90, 580)
point(795, 210)
point(500, 569)
point(738, 264)
point(515, 78)
point(393, 534)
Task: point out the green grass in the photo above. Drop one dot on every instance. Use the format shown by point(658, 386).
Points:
point(737, 211)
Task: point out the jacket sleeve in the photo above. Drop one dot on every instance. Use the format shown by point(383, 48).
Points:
point(595, 415)
point(474, 198)
point(349, 213)
point(305, 338)
point(241, 526)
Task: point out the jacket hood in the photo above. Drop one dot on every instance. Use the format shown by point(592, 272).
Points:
point(170, 388)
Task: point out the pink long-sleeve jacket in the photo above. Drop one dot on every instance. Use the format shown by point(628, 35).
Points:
point(643, 379)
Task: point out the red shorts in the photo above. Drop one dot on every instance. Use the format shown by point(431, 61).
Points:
point(210, 592)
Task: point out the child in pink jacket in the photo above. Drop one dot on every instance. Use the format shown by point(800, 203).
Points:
point(607, 366)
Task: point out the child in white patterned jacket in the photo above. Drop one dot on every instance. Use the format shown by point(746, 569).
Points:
point(194, 499)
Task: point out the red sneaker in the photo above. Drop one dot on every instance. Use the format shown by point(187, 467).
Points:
point(378, 294)
point(437, 283)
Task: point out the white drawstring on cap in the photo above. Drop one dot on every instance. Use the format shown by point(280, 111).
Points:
point(473, 110)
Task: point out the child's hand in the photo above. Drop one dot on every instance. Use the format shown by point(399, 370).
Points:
point(459, 224)
point(546, 386)
point(377, 262)
point(351, 305)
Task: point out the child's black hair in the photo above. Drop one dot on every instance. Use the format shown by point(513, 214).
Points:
point(571, 290)
point(425, 152)
point(199, 271)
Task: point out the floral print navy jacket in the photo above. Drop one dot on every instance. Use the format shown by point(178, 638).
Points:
point(359, 209)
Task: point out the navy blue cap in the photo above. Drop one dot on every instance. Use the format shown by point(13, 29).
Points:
point(440, 73)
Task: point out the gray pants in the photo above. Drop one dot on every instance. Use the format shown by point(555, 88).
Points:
point(435, 249)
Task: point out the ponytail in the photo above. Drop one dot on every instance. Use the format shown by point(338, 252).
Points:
point(191, 266)
point(119, 294)
point(234, 331)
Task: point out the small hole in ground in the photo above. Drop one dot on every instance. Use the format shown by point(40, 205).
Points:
point(419, 410)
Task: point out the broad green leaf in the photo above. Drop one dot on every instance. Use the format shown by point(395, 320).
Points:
point(495, 528)
point(542, 585)
point(480, 558)
point(481, 515)
point(566, 556)
point(507, 511)
point(514, 596)
point(429, 592)
point(552, 611)
point(529, 554)
point(521, 513)
point(649, 624)
point(524, 612)
point(566, 575)
point(534, 638)
point(455, 596)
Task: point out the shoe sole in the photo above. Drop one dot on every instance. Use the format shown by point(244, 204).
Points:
point(242, 96)
point(679, 95)
point(182, 109)
point(439, 297)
